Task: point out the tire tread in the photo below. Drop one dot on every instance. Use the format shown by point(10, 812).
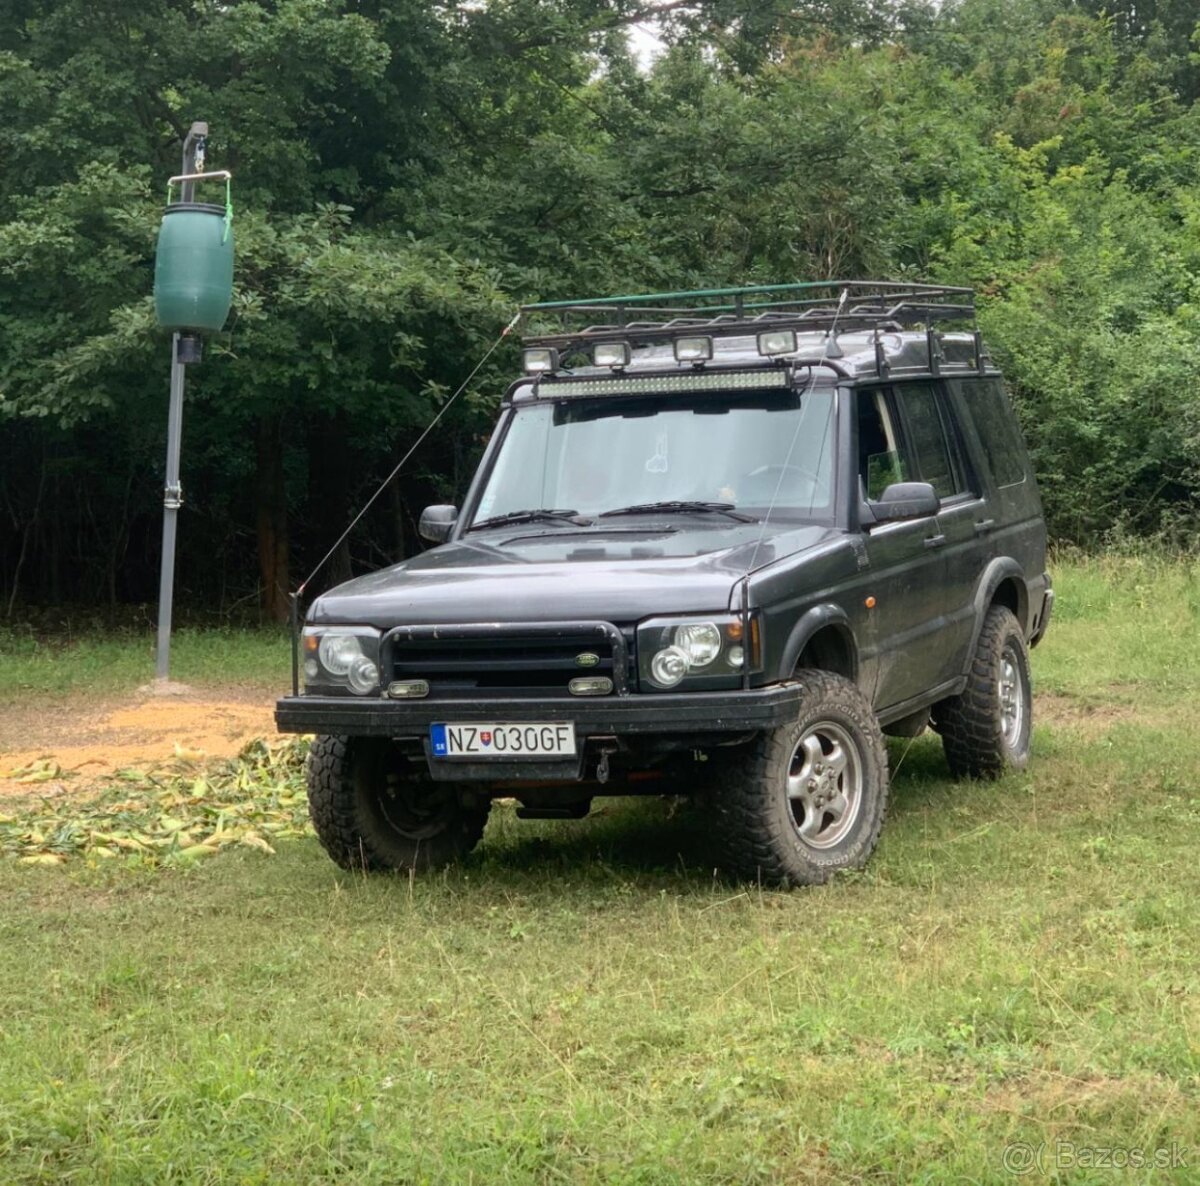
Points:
point(758, 838)
point(970, 723)
point(347, 838)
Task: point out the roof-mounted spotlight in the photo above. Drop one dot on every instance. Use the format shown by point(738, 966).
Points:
point(693, 350)
point(540, 360)
point(777, 341)
point(611, 354)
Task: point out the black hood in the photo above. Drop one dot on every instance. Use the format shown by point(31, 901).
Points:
point(539, 573)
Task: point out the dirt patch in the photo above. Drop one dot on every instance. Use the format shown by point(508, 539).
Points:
point(1093, 717)
point(54, 749)
point(1056, 1100)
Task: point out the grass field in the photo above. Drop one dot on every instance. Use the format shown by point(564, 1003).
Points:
point(37, 665)
point(1014, 979)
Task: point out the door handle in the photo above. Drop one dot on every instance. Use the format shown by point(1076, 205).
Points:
point(934, 541)
point(983, 526)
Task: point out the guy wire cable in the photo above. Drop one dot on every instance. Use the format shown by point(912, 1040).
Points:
point(412, 449)
point(295, 597)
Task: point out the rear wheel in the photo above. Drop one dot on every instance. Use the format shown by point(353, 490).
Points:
point(986, 729)
point(813, 799)
point(374, 809)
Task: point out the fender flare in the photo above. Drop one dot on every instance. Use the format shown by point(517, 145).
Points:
point(814, 619)
point(998, 570)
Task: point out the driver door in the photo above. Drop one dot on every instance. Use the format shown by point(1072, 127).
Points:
point(905, 635)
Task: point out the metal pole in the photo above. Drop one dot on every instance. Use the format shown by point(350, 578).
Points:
point(193, 156)
point(172, 500)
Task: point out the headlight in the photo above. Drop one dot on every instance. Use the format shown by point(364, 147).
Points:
point(363, 676)
point(342, 656)
point(708, 653)
point(338, 651)
point(701, 643)
point(669, 666)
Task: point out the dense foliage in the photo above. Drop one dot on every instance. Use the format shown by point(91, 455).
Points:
point(406, 173)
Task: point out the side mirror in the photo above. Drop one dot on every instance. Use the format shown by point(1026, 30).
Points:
point(436, 523)
point(905, 500)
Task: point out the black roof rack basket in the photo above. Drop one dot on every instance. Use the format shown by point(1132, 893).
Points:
point(813, 307)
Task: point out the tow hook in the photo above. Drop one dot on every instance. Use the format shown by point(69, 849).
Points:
point(602, 764)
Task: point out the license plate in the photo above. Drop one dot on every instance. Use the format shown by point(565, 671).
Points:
point(531, 740)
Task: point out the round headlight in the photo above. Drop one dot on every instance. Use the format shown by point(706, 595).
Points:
point(669, 666)
point(701, 642)
point(363, 675)
point(338, 651)
point(735, 656)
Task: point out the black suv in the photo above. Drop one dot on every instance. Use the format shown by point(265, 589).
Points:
point(720, 542)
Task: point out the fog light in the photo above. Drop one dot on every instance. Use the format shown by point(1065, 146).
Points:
point(590, 685)
point(777, 341)
point(312, 669)
point(408, 689)
point(735, 656)
point(693, 349)
point(611, 354)
point(669, 666)
point(363, 676)
point(539, 361)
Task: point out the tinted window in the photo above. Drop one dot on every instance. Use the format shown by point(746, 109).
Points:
point(999, 435)
point(936, 455)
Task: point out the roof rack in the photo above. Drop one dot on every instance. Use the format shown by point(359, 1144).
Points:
point(726, 312)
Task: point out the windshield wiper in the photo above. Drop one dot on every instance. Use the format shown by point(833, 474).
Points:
point(548, 515)
point(650, 508)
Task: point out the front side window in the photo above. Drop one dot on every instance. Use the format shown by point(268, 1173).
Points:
point(750, 449)
point(880, 462)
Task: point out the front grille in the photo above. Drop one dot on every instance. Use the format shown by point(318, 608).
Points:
point(467, 663)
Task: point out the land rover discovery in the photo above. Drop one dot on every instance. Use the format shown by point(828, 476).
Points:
point(719, 544)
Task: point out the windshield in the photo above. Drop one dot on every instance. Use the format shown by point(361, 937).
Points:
point(742, 449)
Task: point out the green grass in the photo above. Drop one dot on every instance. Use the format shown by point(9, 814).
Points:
point(91, 662)
point(586, 1002)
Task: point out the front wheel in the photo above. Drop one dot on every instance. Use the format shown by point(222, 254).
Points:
point(813, 798)
point(986, 729)
point(374, 809)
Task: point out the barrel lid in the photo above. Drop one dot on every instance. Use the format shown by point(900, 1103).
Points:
point(195, 208)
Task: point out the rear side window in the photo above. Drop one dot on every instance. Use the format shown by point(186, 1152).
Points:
point(996, 425)
point(934, 443)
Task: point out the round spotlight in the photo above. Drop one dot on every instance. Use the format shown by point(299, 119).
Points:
point(669, 666)
point(363, 676)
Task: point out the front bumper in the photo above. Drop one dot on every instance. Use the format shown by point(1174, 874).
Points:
point(692, 712)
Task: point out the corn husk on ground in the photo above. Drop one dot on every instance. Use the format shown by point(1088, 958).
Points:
point(183, 812)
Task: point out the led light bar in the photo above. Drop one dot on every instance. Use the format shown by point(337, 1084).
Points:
point(666, 384)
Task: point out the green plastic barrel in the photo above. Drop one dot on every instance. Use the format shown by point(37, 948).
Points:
point(193, 268)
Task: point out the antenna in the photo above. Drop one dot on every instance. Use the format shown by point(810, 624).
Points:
point(831, 336)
